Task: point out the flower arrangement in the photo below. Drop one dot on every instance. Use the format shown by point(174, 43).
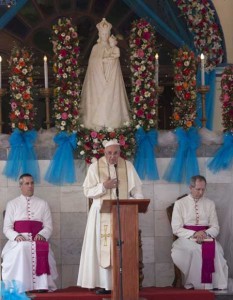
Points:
point(21, 89)
point(66, 51)
point(227, 98)
point(185, 67)
point(201, 21)
point(91, 142)
point(142, 59)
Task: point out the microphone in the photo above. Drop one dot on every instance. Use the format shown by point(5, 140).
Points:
point(117, 190)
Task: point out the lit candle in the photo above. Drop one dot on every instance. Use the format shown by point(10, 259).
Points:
point(156, 69)
point(0, 72)
point(46, 84)
point(202, 69)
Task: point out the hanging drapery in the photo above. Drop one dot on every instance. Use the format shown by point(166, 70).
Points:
point(184, 165)
point(22, 157)
point(223, 158)
point(145, 161)
point(62, 168)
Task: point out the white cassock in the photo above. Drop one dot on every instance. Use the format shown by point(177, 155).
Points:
point(187, 254)
point(91, 274)
point(104, 99)
point(18, 258)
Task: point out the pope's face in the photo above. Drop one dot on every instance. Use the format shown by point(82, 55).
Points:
point(112, 154)
point(198, 190)
point(27, 186)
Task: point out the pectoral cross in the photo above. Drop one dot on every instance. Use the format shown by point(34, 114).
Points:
point(105, 235)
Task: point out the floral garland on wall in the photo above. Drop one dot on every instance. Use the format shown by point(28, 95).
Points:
point(22, 157)
point(144, 100)
point(184, 103)
point(21, 89)
point(66, 52)
point(201, 21)
point(91, 142)
point(227, 99)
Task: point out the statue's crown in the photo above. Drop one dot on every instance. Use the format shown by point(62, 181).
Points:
point(104, 25)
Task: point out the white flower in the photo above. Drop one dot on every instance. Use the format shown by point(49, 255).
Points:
point(94, 159)
point(62, 127)
point(82, 152)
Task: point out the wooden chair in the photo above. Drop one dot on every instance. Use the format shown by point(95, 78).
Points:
point(177, 282)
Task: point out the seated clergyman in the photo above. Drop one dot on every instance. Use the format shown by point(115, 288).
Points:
point(196, 252)
point(27, 257)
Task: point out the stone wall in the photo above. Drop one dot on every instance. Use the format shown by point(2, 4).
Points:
point(69, 211)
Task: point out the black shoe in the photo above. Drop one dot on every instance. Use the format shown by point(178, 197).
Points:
point(102, 292)
point(41, 291)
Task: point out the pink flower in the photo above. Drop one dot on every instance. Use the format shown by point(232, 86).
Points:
point(226, 97)
point(13, 105)
point(94, 134)
point(138, 82)
point(122, 142)
point(140, 53)
point(64, 116)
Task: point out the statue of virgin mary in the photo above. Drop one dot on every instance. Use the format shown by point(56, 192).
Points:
point(104, 101)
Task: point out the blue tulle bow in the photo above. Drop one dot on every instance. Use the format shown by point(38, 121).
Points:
point(22, 157)
point(223, 158)
point(144, 161)
point(61, 169)
point(10, 290)
point(184, 165)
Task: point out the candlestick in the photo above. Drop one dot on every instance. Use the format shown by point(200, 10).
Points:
point(0, 72)
point(46, 84)
point(156, 69)
point(202, 69)
point(203, 90)
point(46, 92)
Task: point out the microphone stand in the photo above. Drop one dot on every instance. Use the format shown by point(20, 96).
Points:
point(119, 241)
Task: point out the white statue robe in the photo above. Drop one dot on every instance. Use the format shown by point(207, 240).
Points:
point(104, 101)
point(18, 258)
point(187, 254)
point(91, 275)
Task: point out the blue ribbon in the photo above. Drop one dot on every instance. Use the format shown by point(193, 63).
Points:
point(184, 165)
point(10, 291)
point(223, 158)
point(144, 161)
point(61, 169)
point(22, 157)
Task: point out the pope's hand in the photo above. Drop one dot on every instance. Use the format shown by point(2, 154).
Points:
point(110, 183)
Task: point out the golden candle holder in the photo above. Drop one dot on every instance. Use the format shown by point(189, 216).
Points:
point(2, 93)
point(159, 89)
point(46, 93)
point(203, 89)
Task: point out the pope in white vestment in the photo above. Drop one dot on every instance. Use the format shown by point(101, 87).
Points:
point(197, 210)
point(19, 255)
point(91, 274)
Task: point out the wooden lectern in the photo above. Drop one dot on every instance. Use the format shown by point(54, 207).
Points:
point(129, 210)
